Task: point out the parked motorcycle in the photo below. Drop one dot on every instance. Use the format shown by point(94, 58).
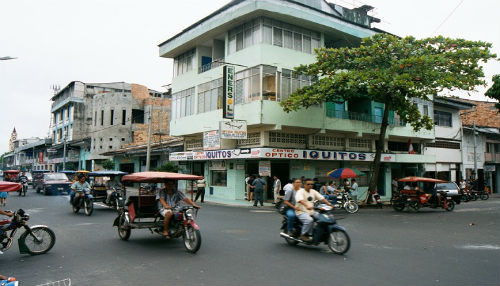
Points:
point(466, 195)
point(24, 189)
point(83, 200)
point(344, 201)
point(483, 195)
point(325, 230)
point(38, 239)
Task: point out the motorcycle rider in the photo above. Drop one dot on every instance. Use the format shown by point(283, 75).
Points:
point(9, 214)
point(289, 200)
point(169, 198)
point(305, 208)
point(111, 185)
point(79, 186)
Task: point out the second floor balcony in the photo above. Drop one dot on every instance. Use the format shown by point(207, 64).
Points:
point(492, 157)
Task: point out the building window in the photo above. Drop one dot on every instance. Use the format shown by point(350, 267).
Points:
point(210, 96)
point(291, 81)
point(219, 178)
point(123, 139)
point(442, 144)
point(328, 142)
point(442, 118)
point(110, 139)
point(253, 139)
point(268, 31)
point(95, 118)
point(195, 144)
point(248, 85)
point(112, 117)
point(426, 110)
point(137, 116)
point(360, 144)
point(287, 138)
point(183, 103)
point(184, 63)
point(124, 117)
point(102, 117)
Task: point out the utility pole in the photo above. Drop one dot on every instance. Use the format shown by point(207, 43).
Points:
point(33, 162)
point(148, 151)
point(475, 149)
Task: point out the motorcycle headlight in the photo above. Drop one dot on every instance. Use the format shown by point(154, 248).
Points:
point(189, 212)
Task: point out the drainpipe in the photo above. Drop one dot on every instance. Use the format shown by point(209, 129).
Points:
point(148, 151)
point(475, 149)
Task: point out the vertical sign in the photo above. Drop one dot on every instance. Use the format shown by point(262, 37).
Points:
point(211, 140)
point(229, 90)
point(265, 168)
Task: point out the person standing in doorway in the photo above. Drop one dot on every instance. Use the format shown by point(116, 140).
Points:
point(258, 186)
point(249, 187)
point(201, 185)
point(276, 188)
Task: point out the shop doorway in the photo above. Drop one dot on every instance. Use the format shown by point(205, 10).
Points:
point(282, 171)
point(199, 168)
point(127, 168)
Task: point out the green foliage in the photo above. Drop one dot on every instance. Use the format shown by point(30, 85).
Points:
point(393, 71)
point(494, 91)
point(108, 165)
point(168, 167)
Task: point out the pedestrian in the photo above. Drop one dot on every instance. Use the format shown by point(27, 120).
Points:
point(249, 187)
point(258, 186)
point(200, 185)
point(354, 190)
point(3, 198)
point(276, 188)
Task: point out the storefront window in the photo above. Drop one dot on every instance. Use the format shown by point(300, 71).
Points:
point(219, 178)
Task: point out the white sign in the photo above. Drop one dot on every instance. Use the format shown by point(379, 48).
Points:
point(233, 130)
point(265, 168)
point(229, 91)
point(489, 168)
point(211, 140)
point(217, 165)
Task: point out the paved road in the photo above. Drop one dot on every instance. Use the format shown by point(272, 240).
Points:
point(241, 246)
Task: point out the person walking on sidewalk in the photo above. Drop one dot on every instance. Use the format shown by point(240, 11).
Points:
point(201, 185)
point(276, 188)
point(258, 186)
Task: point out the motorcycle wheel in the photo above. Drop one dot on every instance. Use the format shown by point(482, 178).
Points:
point(88, 207)
point(192, 239)
point(338, 241)
point(484, 196)
point(76, 208)
point(451, 205)
point(351, 207)
point(415, 206)
point(474, 197)
point(46, 237)
point(123, 230)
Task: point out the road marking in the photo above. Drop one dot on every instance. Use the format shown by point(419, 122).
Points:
point(257, 211)
point(476, 210)
point(380, 246)
point(478, 247)
point(236, 231)
point(101, 205)
point(34, 211)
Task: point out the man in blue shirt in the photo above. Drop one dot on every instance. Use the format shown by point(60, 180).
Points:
point(258, 186)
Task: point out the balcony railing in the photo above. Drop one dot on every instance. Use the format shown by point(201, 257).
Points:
point(212, 65)
point(492, 157)
point(366, 117)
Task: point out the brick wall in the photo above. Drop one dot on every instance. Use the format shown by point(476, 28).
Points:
point(486, 114)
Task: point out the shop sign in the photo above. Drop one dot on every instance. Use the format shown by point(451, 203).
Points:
point(217, 165)
point(276, 153)
point(228, 92)
point(211, 140)
point(181, 156)
point(489, 168)
point(233, 130)
point(240, 167)
point(265, 168)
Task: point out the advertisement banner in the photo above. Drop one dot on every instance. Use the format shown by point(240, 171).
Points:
point(228, 92)
point(211, 140)
point(233, 130)
point(265, 168)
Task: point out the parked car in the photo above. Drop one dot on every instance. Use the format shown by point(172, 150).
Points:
point(55, 183)
point(451, 189)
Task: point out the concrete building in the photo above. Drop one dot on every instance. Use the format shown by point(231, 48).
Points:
point(92, 118)
point(264, 40)
point(447, 147)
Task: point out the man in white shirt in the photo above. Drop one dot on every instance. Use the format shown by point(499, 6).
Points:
point(276, 188)
point(354, 190)
point(305, 208)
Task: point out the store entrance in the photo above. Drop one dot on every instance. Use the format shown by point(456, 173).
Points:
point(282, 171)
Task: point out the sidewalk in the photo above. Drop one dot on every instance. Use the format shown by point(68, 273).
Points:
point(234, 203)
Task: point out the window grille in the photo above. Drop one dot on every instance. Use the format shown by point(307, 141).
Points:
point(196, 144)
point(360, 144)
point(328, 141)
point(253, 139)
point(287, 138)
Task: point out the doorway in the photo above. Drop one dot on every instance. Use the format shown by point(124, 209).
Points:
point(282, 171)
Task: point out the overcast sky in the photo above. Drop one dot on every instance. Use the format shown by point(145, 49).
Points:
point(59, 41)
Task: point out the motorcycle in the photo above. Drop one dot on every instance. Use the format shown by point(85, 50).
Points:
point(38, 239)
point(466, 195)
point(83, 200)
point(325, 230)
point(422, 200)
point(344, 201)
point(24, 189)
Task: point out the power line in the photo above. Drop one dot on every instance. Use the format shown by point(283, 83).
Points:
point(447, 17)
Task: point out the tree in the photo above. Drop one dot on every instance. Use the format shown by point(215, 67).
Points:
point(494, 91)
point(392, 71)
point(108, 165)
point(168, 167)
